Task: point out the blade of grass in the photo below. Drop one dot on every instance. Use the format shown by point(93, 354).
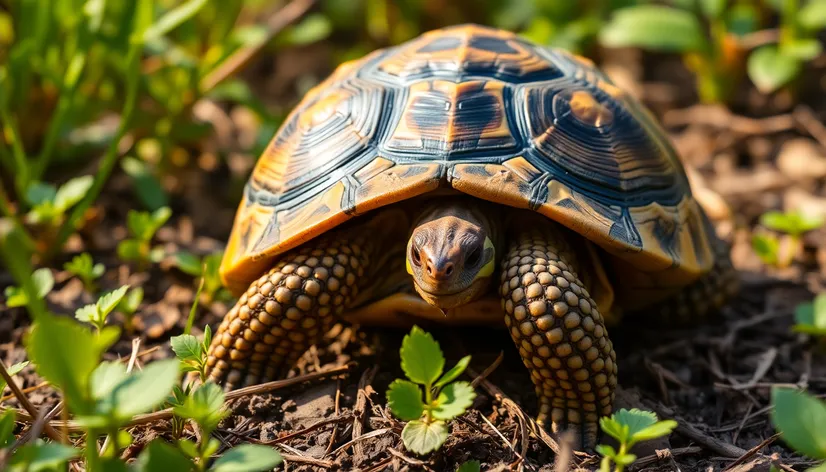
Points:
point(141, 22)
point(17, 257)
point(174, 18)
point(194, 308)
point(12, 131)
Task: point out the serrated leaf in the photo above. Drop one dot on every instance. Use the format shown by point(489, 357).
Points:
point(625, 459)
point(613, 428)
point(109, 301)
point(421, 357)
point(636, 419)
point(423, 438)
point(769, 69)
point(405, 400)
point(186, 347)
point(41, 457)
point(87, 313)
point(470, 466)
point(159, 455)
point(456, 371)
point(72, 192)
point(654, 27)
point(800, 418)
point(6, 428)
point(247, 458)
point(656, 430)
point(453, 400)
point(205, 406)
point(188, 263)
point(12, 371)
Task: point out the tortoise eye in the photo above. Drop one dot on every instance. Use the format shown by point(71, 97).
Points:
point(472, 259)
point(414, 254)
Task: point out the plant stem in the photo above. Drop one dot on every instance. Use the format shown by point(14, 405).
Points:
point(788, 32)
point(91, 450)
point(14, 250)
point(620, 467)
point(428, 395)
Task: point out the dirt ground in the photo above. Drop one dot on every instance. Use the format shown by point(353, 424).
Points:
point(714, 376)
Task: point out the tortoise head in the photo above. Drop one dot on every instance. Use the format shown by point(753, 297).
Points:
point(451, 254)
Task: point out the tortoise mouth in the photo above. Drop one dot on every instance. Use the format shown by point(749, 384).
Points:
point(448, 300)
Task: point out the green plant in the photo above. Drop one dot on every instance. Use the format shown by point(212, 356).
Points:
point(83, 267)
point(775, 65)
point(470, 466)
point(704, 31)
point(629, 427)
point(799, 418)
point(42, 281)
point(49, 204)
point(793, 225)
point(192, 352)
point(129, 305)
point(96, 313)
point(12, 371)
point(810, 317)
point(142, 228)
point(444, 399)
point(207, 268)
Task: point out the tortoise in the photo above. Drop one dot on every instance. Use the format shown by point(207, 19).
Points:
point(466, 177)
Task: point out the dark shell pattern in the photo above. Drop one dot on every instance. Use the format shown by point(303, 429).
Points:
point(491, 115)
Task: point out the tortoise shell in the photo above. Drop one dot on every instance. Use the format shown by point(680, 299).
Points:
point(489, 114)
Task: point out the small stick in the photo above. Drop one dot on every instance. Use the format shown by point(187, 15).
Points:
point(371, 434)
point(361, 405)
point(409, 460)
point(136, 345)
point(26, 390)
point(300, 432)
point(504, 440)
point(24, 400)
point(335, 428)
point(489, 370)
point(752, 452)
point(665, 453)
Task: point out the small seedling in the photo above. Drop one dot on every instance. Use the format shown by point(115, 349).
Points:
point(192, 352)
point(780, 251)
point(12, 371)
point(799, 417)
point(142, 228)
point(96, 313)
point(49, 204)
point(43, 282)
point(810, 317)
point(129, 305)
point(775, 65)
point(629, 427)
point(205, 406)
point(83, 267)
point(207, 268)
point(423, 363)
point(470, 466)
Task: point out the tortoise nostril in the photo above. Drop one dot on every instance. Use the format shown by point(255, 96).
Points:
point(414, 252)
point(449, 269)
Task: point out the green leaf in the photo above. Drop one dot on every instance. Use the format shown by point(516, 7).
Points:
point(654, 27)
point(812, 314)
point(817, 468)
point(453, 400)
point(143, 391)
point(606, 450)
point(188, 263)
point(713, 8)
point(470, 466)
point(422, 360)
point(6, 428)
point(766, 247)
point(454, 372)
point(247, 458)
point(147, 187)
point(109, 301)
point(106, 377)
point(625, 459)
point(84, 267)
point(636, 420)
point(87, 314)
point(405, 400)
point(173, 18)
point(12, 371)
point(423, 438)
point(72, 192)
point(130, 250)
point(131, 302)
point(15, 296)
point(800, 418)
point(813, 15)
point(189, 448)
point(39, 193)
point(159, 455)
point(794, 223)
point(186, 347)
point(613, 428)
point(43, 281)
point(65, 353)
point(313, 28)
point(41, 456)
point(205, 406)
point(657, 430)
point(803, 49)
point(769, 69)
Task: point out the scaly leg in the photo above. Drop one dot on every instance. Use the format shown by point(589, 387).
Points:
point(289, 308)
point(559, 331)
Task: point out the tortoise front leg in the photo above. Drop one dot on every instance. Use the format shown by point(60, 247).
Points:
point(288, 309)
point(559, 331)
